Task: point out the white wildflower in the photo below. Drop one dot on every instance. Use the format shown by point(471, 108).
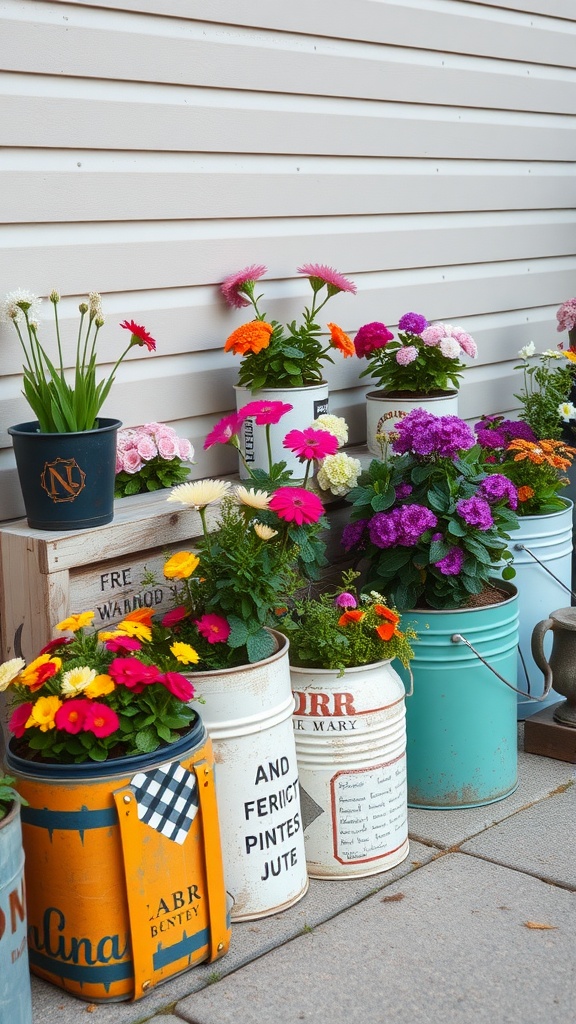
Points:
point(339, 473)
point(16, 303)
point(95, 305)
point(527, 350)
point(199, 493)
point(553, 353)
point(77, 679)
point(334, 425)
point(567, 411)
point(9, 670)
point(264, 532)
point(253, 498)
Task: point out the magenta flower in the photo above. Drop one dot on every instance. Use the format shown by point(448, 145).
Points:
point(403, 490)
point(406, 355)
point(371, 337)
point(476, 512)
point(433, 334)
point(452, 563)
point(311, 444)
point(265, 413)
point(498, 486)
point(214, 628)
point(178, 685)
point(383, 529)
point(71, 716)
point(412, 522)
point(18, 719)
point(345, 601)
point(53, 645)
point(174, 616)
point(133, 673)
point(296, 505)
point(122, 644)
point(412, 323)
point(319, 275)
point(100, 719)
point(236, 286)
point(226, 428)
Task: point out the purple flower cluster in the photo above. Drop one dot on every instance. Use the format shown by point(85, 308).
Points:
point(412, 323)
point(496, 487)
point(476, 512)
point(494, 432)
point(403, 526)
point(424, 434)
point(354, 535)
point(371, 337)
point(452, 563)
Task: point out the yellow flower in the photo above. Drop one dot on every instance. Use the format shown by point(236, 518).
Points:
point(75, 680)
point(264, 532)
point(38, 671)
point(185, 653)
point(99, 686)
point(74, 622)
point(251, 497)
point(9, 670)
point(181, 565)
point(137, 629)
point(109, 634)
point(43, 713)
point(570, 355)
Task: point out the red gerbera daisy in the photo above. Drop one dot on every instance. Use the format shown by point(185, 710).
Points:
point(140, 336)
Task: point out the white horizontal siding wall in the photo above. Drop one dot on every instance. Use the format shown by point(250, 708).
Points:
point(424, 148)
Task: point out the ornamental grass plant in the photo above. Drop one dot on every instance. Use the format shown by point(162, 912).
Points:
point(278, 356)
point(342, 629)
point(61, 405)
point(428, 520)
point(90, 696)
point(424, 358)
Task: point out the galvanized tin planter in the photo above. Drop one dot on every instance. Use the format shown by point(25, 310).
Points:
point(124, 875)
point(385, 408)
point(350, 738)
point(248, 714)
point(15, 997)
point(461, 721)
point(542, 549)
point(307, 404)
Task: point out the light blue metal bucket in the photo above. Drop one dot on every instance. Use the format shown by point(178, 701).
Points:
point(15, 997)
point(461, 726)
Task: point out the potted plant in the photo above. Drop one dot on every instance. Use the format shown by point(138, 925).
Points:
point(259, 546)
point(117, 770)
point(543, 546)
point(149, 458)
point(421, 368)
point(66, 456)
point(284, 362)
point(349, 728)
point(566, 317)
point(432, 528)
point(15, 995)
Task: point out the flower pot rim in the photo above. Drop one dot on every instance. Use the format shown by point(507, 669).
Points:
point(500, 584)
point(298, 387)
point(32, 427)
point(13, 813)
point(412, 396)
point(568, 503)
point(349, 668)
point(283, 645)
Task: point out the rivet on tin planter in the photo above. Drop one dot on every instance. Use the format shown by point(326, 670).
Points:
point(126, 799)
point(146, 985)
point(220, 947)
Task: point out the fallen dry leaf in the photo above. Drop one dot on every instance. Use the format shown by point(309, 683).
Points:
point(393, 899)
point(91, 1007)
point(539, 926)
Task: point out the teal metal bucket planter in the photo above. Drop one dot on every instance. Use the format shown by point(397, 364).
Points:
point(461, 720)
point(67, 480)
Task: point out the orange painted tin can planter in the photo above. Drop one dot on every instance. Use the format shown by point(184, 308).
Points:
point(124, 875)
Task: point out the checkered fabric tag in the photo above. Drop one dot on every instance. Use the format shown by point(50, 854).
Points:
point(167, 799)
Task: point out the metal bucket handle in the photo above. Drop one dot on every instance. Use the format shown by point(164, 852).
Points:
point(410, 692)
point(457, 638)
point(522, 547)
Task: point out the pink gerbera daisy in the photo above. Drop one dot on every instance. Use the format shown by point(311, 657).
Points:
point(265, 413)
point(101, 720)
point(123, 644)
point(225, 430)
point(140, 336)
point(319, 275)
point(214, 628)
point(174, 616)
point(296, 505)
point(236, 286)
point(71, 716)
point(311, 444)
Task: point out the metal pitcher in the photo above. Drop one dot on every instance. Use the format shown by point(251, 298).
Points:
point(561, 670)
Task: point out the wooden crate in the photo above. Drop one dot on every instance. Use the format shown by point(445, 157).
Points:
point(48, 575)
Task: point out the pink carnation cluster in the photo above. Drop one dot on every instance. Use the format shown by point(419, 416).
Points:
point(566, 315)
point(138, 445)
point(450, 339)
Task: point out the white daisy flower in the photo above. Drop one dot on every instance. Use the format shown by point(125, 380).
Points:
point(199, 493)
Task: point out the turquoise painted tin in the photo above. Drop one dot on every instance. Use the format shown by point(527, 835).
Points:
point(461, 720)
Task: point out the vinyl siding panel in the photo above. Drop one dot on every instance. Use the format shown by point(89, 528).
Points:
point(150, 147)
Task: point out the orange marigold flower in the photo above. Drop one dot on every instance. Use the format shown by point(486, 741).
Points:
point(353, 615)
point(341, 341)
point(386, 630)
point(252, 337)
point(525, 493)
point(140, 615)
point(386, 613)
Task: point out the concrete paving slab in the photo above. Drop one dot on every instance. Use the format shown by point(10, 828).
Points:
point(250, 939)
point(456, 947)
point(537, 778)
point(540, 840)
